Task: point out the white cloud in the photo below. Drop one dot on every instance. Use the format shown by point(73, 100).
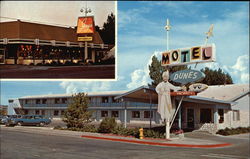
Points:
point(239, 71)
point(89, 86)
point(74, 87)
point(141, 77)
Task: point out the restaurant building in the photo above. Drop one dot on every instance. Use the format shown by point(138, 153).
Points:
point(216, 108)
point(29, 43)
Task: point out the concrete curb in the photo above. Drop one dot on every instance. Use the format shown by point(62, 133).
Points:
point(157, 143)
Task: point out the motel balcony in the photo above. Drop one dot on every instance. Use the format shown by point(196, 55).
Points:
point(121, 105)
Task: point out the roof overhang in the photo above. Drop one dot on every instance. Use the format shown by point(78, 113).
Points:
point(143, 93)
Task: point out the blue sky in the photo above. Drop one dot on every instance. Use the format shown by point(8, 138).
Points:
point(141, 35)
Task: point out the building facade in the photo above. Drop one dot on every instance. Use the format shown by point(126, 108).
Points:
point(215, 108)
point(35, 44)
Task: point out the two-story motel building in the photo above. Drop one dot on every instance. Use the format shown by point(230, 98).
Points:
point(215, 108)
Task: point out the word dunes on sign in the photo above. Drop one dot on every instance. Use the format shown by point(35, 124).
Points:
point(198, 87)
point(187, 76)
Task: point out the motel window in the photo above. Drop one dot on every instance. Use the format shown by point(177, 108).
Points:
point(104, 113)
point(64, 100)
point(43, 112)
point(115, 114)
point(221, 115)
point(62, 112)
point(26, 101)
point(105, 99)
point(26, 112)
point(113, 100)
point(56, 112)
point(147, 114)
point(37, 101)
point(205, 116)
point(236, 115)
point(37, 112)
point(57, 101)
point(44, 101)
point(135, 114)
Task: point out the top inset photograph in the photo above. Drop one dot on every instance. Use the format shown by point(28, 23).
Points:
point(57, 40)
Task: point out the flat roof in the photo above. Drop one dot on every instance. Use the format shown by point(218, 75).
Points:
point(91, 94)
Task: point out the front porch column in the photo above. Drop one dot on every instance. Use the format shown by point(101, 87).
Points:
point(93, 55)
point(179, 121)
point(125, 115)
point(216, 116)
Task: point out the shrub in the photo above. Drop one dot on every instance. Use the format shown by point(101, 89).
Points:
point(39, 64)
point(153, 134)
point(89, 128)
point(107, 125)
point(233, 131)
point(58, 127)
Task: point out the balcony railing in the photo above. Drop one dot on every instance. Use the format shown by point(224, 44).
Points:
point(99, 105)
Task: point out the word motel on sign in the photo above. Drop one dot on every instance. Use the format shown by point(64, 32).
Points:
point(197, 54)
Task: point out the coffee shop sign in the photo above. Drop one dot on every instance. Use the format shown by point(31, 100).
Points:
point(197, 54)
point(187, 76)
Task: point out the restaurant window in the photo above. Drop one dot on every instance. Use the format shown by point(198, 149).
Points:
point(104, 113)
point(115, 114)
point(37, 101)
point(105, 99)
point(56, 112)
point(26, 51)
point(57, 100)
point(221, 115)
point(64, 100)
point(147, 114)
point(236, 115)
point(205, 116)
point(44, 101)
point(135, 114)
point(37, 112)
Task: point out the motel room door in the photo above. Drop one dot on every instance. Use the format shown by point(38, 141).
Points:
point(190, 118)
point(2, 56)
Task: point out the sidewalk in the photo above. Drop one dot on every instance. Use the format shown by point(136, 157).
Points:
point(186, 142)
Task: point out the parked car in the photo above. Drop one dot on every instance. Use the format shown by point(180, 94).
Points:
point(7, 120)
point(1, 119)
point(31, 120)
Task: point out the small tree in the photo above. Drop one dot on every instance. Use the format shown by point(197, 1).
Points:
point(107, 125)
point(77, 114)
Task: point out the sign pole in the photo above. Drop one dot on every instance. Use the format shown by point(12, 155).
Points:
point(167, 27)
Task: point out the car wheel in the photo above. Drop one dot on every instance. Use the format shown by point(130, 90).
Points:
point(41, 124)
point(20, 124)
